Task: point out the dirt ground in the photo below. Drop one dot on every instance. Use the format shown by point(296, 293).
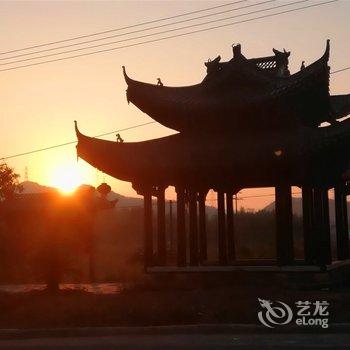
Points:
point(165, 300)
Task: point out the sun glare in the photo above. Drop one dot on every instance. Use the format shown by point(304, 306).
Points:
point(66, 178)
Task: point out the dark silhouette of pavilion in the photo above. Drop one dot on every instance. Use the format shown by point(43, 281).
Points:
point(249, 123)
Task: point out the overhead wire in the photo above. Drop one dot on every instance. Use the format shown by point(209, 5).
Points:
point(144, 124)
point(73, 142)
point(340, 70)
point(146, 35)
point(144, 30)
point(169, 37)
point(121, 28)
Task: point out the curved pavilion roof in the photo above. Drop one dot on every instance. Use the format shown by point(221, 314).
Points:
point(239, 95)
point(247, 160)
point(242, 126)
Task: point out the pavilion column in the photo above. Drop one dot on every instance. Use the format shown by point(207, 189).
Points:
point(181, 227)
point(308, 224)
point(230, 227)
point(284, 225)
point(322, 230)
point(148, 228)
point(341, 220)
point(326, 232)
point(161, 240)
point(221, 229)
point(171, 227)
point(193, 228)
point(203, 250)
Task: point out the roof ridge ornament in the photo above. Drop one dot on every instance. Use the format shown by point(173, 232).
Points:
point(119, 138)
point(236, 50)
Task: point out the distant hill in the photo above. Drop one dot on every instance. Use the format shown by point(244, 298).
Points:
point(123, 201)
point(34, 187)
point(298, 208)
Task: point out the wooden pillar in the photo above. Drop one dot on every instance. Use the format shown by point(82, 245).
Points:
point(318, 225)
point(221, 229)
point(322, 232)
point(161, 241)
point(308, 225)
point(341, 220)
point(171, 226)
point(230, 227)
point(181, 227)
point(284, 225)
point(326, 230)
point(148, 229)
point(193, 228)
point(203, 250)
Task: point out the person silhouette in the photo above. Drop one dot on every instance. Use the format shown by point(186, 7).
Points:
point(159, 82)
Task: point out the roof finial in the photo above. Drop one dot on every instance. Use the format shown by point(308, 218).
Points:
point(119, 138)
point(302, 65)
point(236, 48)
point(159, 82)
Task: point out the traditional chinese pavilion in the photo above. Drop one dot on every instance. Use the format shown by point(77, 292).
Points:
point(249, 123)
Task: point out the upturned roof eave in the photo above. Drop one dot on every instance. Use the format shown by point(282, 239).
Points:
point(179, 158)
point(179, 107)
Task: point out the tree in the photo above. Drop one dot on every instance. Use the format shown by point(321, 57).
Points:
point(8, 186)
point(9, 182)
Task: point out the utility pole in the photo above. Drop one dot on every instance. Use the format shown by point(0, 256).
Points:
point(26, 176)
point(236, 201)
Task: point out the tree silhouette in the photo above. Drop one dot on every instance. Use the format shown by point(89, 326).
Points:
point(9, 183)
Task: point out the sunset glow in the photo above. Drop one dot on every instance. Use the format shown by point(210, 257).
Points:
point(47, 98)
point(67, 178)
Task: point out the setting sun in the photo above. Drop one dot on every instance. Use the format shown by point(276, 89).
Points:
point(67, 178)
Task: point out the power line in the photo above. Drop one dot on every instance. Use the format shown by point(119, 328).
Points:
point(147, 35)
point(254, 196)
point(143, 36)
point(122, 28)
point(340, 70)
point(169, 37)
point(109, 133)
point(143, 30)
point(265, 195)
point(73, 142)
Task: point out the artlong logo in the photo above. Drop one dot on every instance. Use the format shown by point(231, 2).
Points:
point(274, 313)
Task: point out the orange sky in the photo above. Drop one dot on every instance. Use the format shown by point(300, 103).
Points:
point(39, 104)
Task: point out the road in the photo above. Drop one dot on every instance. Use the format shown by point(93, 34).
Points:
point(184, 341)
